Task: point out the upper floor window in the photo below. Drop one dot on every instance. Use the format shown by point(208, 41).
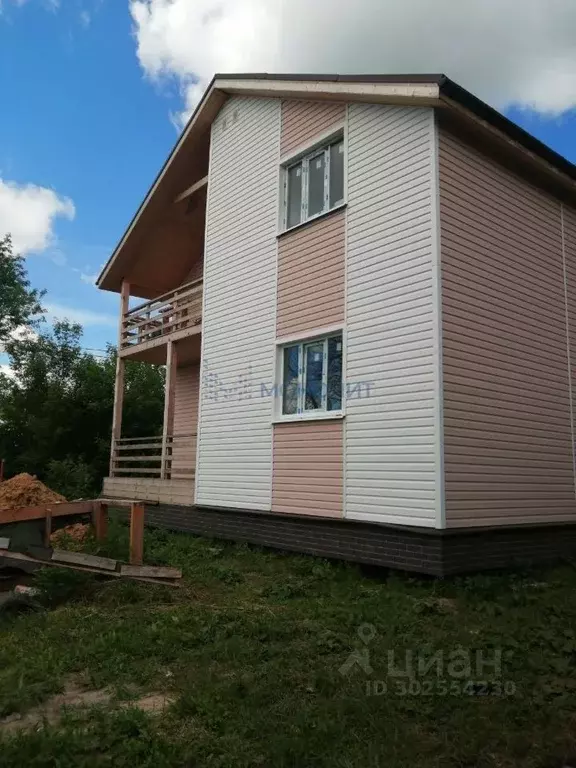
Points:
point(312, 376)
point(314, 184)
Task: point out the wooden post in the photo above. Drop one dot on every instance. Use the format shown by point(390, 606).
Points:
point(119, 380)
point(168, 429)
point(100, 520)
point(136, 533)
point(47, 526)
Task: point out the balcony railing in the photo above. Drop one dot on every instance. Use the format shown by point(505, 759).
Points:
point(154, 457)
point(174, 311)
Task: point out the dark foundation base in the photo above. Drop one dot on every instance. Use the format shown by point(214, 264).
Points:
point(427, 551)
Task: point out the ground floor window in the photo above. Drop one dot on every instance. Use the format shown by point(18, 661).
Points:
point(312, 376)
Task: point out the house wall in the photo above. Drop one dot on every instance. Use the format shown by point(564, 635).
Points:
point(234, 465)
point(308, 468)
point(311, 266)
point(186, 396)
point(372, 268)
point(303, 121)
point(508, 433)
point(393, 465)
point(308, 455)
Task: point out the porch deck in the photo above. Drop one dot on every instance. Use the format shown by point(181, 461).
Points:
point(177, 492)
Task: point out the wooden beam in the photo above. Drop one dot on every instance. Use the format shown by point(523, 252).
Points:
point(19, 514)
point(136, 534)
point(81, 558)
point(151, 571)
point(119, 378)
point(168, 428)
point(190, 191)
point(20, 557)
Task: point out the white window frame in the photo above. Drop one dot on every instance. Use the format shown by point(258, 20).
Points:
point(304, 157)
point(301, 413)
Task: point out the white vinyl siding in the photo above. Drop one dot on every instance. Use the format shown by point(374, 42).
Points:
point(391, 344)
point(238, 325)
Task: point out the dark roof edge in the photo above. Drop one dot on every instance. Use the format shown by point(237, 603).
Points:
point(484, 111)
point(419, 78)
point(448, 88)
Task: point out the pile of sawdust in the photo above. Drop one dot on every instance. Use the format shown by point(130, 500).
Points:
point(70, 534)
point(25, 491)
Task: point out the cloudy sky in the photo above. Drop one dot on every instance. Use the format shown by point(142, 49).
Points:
point(93, 93)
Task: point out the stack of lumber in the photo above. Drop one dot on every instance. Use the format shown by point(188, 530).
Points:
point(61, 558)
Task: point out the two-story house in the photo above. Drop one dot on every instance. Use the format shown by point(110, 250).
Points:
point(364, 292)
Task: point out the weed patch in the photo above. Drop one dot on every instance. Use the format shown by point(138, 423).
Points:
point(269, 659)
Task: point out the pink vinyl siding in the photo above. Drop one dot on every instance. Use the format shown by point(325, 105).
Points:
point(308, 468)
point(311, 276)
point(507, 408)
point(186, 417)
point(302, 121)
point(569, 221)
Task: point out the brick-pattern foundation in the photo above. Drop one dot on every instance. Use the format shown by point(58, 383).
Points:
point(427, 551)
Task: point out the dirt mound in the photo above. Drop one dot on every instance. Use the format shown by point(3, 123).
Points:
point(25, 491)
point(70, 534)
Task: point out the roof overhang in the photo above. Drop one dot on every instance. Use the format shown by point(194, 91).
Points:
point(415, 90)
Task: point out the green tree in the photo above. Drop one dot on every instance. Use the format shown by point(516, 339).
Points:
point(56, 413)
point(19, 303)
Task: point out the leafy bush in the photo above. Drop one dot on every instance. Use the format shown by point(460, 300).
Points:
point(72, 478)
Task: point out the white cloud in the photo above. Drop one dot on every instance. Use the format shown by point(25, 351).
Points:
point(22, 332)
point(28, 213)
point(85, 317)
point(89, 279)
point(7, 371)
point(506, 51)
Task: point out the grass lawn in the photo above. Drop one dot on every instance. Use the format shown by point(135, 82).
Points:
point(250, 652)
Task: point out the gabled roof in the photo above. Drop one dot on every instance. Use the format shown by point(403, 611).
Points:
point(434, 90)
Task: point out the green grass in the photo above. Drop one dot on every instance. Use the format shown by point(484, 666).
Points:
point(250, 649)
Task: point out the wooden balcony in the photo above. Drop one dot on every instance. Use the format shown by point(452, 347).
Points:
point(154, 457)
point(171, 317)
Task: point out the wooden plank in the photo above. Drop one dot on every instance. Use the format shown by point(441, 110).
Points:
point(139, 446)
point(124, 440)
point(18, 556)
point(124, 459)
point(126, 502)
point(80, 558)
point(193, 188)
point(39, 513)
point(151, 571)
point(136, 534)
point(136, 471)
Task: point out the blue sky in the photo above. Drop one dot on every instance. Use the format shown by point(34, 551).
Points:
point(90, 90)
point(78, 116)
